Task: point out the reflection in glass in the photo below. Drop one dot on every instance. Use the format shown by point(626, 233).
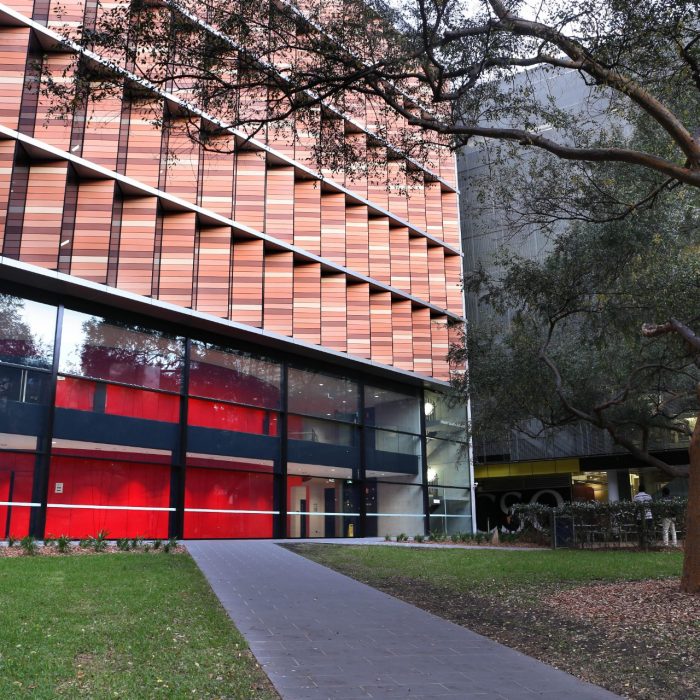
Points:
point(225, 416)
point(393, 509)
point(450, 510)
point(448, 463)
point(27, 331)
point(319, 507)
point(323, 395)
point(392, 410)
point(23, 403)
point(92, 346)
point(322, 431)
point(393, 456)
point(232, 375)
point(445, 416)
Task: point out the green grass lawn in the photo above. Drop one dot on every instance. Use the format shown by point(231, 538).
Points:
point(118, 626)
point(476, 569)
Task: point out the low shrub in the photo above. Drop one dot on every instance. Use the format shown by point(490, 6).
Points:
point(63, 544)
point(29, 545)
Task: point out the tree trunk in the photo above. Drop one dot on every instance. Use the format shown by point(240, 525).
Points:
point(690, 581)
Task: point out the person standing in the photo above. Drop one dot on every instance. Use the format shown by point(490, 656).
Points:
point(645, 522)
point(668, 524)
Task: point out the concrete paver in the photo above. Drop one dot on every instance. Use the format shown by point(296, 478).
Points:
point(320, 635)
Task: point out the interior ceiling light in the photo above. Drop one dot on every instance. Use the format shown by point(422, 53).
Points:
point(429, 408)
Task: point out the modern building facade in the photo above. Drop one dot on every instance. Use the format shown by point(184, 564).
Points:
point(223, 343)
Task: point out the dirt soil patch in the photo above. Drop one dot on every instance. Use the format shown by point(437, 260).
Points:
point(640, 639)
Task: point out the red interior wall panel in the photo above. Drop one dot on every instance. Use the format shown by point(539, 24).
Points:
point(139, 403)
point(16, 480)
point(220, 489)
point(240, 419)
point(98, 483)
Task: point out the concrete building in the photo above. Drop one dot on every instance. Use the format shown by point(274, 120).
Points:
point(580, 462)
point(225, 344)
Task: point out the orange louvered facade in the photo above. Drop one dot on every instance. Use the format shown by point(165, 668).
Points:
point(244, 230)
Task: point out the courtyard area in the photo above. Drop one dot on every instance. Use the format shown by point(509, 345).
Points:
point(613, 618)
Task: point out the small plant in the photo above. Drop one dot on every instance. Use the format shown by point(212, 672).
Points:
point(29, 545)
point(147, 547)
point(419, 538)
point(99, 543)
point(170, 544)
point(49, 541)
point(157, 544)
point(402, 537)
point(63, 544)
point(123, 544)
point(11, 541)
point(387, 537)
point(465, 537)
point(455, 537)
point(86, 542)
point(137, 543)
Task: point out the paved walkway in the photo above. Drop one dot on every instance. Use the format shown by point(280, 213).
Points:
point(320, 635)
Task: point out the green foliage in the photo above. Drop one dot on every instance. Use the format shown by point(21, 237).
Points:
point(402, 537)
point(157, 544)
point(123, 544)
point(86, 542)
point(11, 540)
point(419, 538)
point(29, 545)
point(49, 541)
point(99, 542)
point(63, 544)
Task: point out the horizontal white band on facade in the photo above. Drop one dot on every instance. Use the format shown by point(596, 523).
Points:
point(240, 512)
point(395, 515)
point(20, 503)
point(443, 515)
point(306, 512)
point(97, 507)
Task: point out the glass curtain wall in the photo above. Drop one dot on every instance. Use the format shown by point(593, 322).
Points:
point(448, 473)
point(137, 431)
